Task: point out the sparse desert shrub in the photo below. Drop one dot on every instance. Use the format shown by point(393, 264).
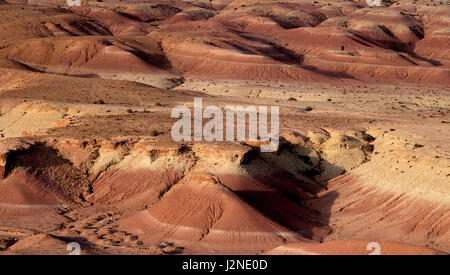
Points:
point(179, 81)
point(367, 137)
point(153, 133)
point(344, 139)
point(369, 148)
point(309, 109)
point(130, 111)
point(417, 145)
point(292, 99)
point(100, 101)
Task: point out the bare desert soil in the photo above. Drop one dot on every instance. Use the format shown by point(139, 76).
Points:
point(86, 154)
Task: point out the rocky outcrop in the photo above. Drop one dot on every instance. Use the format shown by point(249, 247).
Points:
point(8, 146)
point(3, 157)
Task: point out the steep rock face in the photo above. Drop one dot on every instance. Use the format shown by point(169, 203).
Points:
point(8, 146)
point(3, 157)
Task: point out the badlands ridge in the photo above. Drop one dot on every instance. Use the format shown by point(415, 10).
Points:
point(86, 154)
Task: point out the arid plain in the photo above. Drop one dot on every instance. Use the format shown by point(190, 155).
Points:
point(86, 153)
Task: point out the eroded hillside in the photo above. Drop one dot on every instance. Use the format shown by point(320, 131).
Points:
point(86, 152)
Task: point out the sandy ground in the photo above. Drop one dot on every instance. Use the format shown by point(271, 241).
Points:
point(86, 154)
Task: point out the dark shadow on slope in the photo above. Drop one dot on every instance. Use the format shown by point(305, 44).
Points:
point(53, 171)
point(32, 69)
point(283, 55)
point(287, 191)
point(294, 21)
point(66, 30)
point(408, 49)
point(158, 12)
point(302, 220)
point(411, 52)
point(159, 60)
point(394, 44)
point(131, 16)
point(291, 22)
point(89, 29)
